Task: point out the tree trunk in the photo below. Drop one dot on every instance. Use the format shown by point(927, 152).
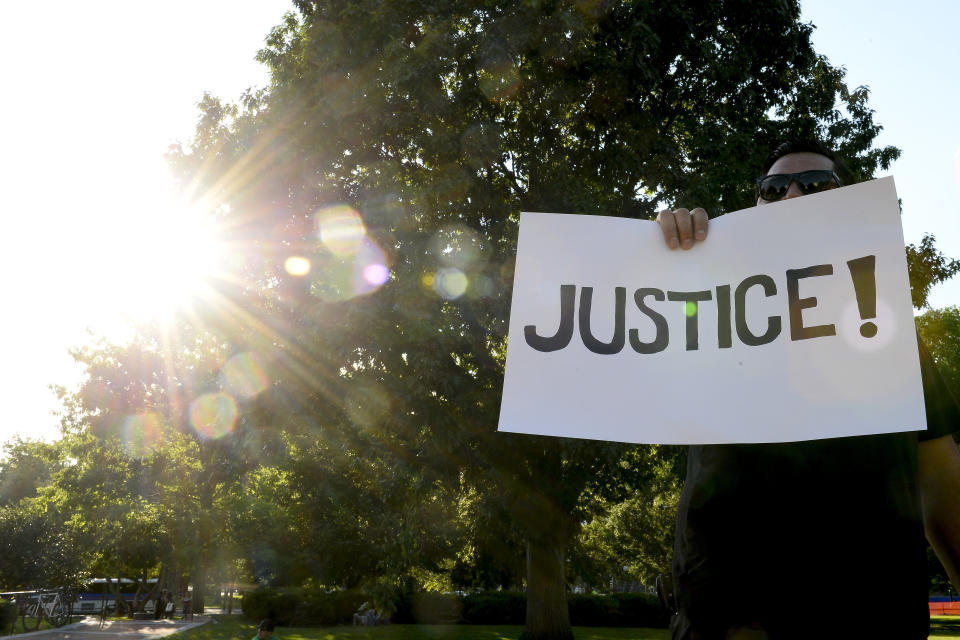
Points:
point(548, 616)
point(121, 608)
point(199, 580)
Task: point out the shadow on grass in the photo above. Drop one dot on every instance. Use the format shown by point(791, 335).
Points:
point(234, 628)
point(948, 626)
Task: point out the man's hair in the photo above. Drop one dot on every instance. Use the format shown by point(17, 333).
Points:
point(798, 146)
point(266, 625)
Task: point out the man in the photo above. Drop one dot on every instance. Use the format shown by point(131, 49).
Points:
point(265, 631)
point(815, 539)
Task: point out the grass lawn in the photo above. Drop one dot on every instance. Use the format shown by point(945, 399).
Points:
point(235, 628)
point(945, 627)
point(44, 625)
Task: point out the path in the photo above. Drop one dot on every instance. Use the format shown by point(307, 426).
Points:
point(90, 629)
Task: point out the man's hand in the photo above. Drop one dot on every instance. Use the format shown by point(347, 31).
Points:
point(683, 228)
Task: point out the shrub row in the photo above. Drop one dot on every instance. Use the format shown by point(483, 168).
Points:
point(313, 608)
point(8, 615)
point(302, 607)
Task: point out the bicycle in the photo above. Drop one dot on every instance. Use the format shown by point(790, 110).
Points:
point(47, 604)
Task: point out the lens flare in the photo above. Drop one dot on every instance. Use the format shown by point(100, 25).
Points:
point(346, 277)
point(340, 229)
point(480, 144)
point(367, 407)
point(376, 274)
point(450, 283)
point(213, 415)
point(297, 266)
point(482, 286)
point(500, 83)
point(370, 270)
point(243, 375)
point(459, 246)
point(141, 433)
point(690, 309)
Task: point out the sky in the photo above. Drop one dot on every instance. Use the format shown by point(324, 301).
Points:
point(95, 92)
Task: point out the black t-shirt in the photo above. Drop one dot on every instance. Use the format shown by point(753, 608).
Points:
point(797, 537)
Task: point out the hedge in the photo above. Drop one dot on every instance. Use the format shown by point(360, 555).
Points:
point(495, 607)
point(318, 608)
point(618, 610)
point(302, 607)
point(8, 615)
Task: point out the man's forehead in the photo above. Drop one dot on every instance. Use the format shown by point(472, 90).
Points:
point(801, 161)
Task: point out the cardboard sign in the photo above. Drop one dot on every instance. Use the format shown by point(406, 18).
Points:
point(791, 321)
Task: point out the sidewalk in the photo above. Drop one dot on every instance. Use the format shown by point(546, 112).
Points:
point(90, 629)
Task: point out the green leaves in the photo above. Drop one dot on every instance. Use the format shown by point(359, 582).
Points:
point(927, 267)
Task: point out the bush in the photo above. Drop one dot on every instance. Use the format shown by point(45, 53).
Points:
point(319, 608)
point(437, 608)
point(495, 607)
point(618, 610)
point(8, 615)
point(302, 607)
point(280, 605)
point(311, 607)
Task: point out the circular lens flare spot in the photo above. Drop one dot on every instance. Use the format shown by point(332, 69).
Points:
point(340, 229)
point(483, 286)
point(141, 433)
point(376, 274)
point(213, 415)
point(244, 375)
point(450, 283)
point(690, 309)
point(297, 266)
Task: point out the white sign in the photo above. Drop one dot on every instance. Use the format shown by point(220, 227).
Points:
point(791, 321)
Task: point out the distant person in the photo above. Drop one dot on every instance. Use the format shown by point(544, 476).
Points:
point(366, 616)
point(187, 606)
point(265, 630)
point(160, 605)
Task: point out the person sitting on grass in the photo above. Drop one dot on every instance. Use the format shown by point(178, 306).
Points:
point(365, 616)
point(265, 630)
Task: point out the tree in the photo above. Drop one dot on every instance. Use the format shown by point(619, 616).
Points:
point(927, 267)
point(408, 154)
point(940, 330)
point(36, 548)
point(27, 465)
point(159, 444)
point(632, 540)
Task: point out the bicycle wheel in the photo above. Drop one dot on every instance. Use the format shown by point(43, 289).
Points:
point(60, 614)
point(32, 615)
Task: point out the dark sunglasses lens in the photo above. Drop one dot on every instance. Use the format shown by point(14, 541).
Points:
point(816, 181)
point(774, 187)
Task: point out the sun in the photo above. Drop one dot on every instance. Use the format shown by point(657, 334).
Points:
point(148, 263)
point(172, 260)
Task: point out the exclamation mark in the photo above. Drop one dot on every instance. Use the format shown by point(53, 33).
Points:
point(865, 286)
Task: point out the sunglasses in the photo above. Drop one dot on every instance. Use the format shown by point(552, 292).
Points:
point(775, 186)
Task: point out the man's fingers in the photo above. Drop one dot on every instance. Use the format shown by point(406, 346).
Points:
point(684, 227)
point(668, 225)
point(700, 223)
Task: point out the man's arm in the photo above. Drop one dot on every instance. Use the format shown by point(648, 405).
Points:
point(939, 473)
